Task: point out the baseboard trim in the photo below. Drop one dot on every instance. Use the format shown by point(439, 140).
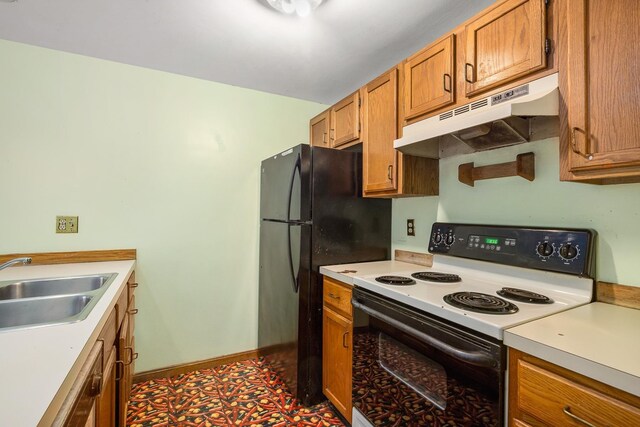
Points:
point(184, 368)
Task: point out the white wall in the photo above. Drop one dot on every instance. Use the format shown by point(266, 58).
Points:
point(149, 160)
point(612, 210)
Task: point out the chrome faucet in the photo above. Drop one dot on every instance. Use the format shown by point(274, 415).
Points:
point(25, 260)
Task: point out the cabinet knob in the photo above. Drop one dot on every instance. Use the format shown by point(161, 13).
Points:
point(133, 285)
point(96, 385)
point(334, 296)
point(134, 311)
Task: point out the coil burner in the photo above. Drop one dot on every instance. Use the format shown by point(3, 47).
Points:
point(524, 296)
point(395, 280)
point(432, 276)
point(480, 303)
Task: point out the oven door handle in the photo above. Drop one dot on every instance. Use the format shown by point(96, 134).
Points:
point(473, 357)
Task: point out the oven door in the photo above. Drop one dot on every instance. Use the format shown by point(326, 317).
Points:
point(413, 369)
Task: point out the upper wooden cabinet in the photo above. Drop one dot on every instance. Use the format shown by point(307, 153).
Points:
point(319, 130)
point(379, 116)
point(599, 82)
point(386, 171)
point(429, 78)
point(345, 121)
point(503, 44)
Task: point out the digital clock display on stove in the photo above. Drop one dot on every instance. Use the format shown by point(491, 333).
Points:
point(491, 240)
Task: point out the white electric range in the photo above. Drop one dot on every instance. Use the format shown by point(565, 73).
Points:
point(430, 339)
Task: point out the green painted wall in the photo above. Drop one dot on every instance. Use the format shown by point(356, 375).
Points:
point(149, 160)
point(613, 211)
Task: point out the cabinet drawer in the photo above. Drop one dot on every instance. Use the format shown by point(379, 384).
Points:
point(557, 400)
point(338, 296)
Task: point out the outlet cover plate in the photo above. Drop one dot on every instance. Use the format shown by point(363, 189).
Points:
point(66, 224)
point(411, 229)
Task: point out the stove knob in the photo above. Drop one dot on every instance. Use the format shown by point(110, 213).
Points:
point(545, 249)
point(437, 238)
point(449, 240)
point(568, 251)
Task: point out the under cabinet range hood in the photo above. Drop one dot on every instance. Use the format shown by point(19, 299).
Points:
point(521, 114)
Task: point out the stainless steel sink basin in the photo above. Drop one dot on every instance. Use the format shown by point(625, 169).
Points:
point(37, 311)
point(48, 287)
point(50, 301)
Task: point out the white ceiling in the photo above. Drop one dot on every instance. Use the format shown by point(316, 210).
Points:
point(343, 45)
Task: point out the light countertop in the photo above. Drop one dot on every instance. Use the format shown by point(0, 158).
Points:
point(38, 365)
point(598, 340)
point(346, 272)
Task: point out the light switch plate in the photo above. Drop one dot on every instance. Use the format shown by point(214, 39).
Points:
point(66, 224)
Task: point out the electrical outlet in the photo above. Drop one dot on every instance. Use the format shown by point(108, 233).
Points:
point(411, 230)
point(66, 224)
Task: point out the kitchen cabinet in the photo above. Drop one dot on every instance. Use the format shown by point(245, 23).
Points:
point(386, 171)
point(544, 394)
point(504, 43)
point(600, 136)
point(78, 408)
point(429, 78)
point(337, 342)
point(345, 121)
point(126, 350)
point(319, 130)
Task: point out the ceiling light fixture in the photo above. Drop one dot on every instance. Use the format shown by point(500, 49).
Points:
point(299, 7)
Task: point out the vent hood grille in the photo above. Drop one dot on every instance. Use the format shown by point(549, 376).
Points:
point(496, 121)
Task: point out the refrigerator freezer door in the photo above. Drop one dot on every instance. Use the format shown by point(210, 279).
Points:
point(284, 189)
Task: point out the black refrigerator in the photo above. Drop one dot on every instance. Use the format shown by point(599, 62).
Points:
point(312, 214)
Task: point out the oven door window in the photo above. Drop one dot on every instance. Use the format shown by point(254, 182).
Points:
point(399, 380)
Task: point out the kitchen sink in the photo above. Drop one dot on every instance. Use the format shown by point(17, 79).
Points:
point(37, 311)
point(48, 287)
point(50, 301)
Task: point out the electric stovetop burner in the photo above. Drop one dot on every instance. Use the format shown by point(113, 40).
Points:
point(432, 276)
point(480, 303)
point(524, 296)
point(395, 280)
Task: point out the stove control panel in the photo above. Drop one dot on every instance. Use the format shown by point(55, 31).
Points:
point(561, 250)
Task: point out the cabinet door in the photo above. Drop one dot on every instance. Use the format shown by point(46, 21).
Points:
point(429, 79)
point(124, 388)
point(603, 88)
point(345, 120)
point(337, 335)
point(319, 130)
point(380, 117)
point(506, 43)
point(106, 404)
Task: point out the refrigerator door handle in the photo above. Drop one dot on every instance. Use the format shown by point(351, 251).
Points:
point(294, 278)
point(296, 168)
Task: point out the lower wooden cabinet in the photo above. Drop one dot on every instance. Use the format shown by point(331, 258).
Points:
point(544, 394)
point(337, 345)
point(101, 392)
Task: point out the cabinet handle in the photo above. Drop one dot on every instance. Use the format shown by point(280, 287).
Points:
point(334, 296)
point(390, 172)
point(134, 311)
point(444, 82)
point(324, 138)
point(468, 66)
point(133, 285)
point(574, 144)
point(119, 371)
point(344, 340)
point(567, 410)
point(96, 385)
point(132, 356)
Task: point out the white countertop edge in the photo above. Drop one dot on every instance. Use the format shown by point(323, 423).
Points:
point(39, 374)
point(337, 276)
point(599, 372)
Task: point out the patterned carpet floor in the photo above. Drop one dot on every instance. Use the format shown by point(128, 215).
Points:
point(247, 393)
